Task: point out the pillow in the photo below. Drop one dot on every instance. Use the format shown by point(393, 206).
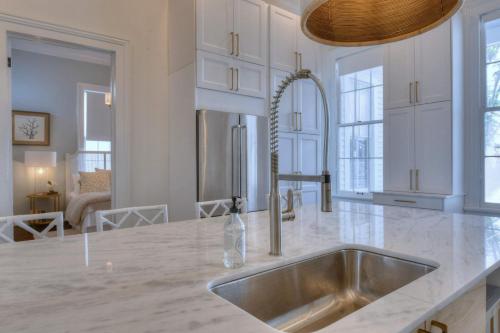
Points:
point(107, 172)
point(94, 182)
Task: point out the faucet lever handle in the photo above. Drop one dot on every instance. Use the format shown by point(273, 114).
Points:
point(289, 214)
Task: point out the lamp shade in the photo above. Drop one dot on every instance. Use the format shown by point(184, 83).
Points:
point(40, 159)
point(371, 22)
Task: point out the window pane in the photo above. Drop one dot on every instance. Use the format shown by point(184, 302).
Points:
point(376, 141)
point(493, 84)
point(348, 108)
point(345, 137)
point(492, 180)
point(363, 110)
point(347, 82)
point(360, 175)
point(378, 76)
point(378, 103)
point(492, 133)
point(493, 40)
point(359, 142)
point(363, 79)
point(345, 176)
point(376, 175)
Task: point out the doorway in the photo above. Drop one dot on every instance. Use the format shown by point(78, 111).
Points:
point(14, 37)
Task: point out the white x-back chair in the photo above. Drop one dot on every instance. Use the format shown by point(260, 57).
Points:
point(22, 221)
point(213, 208)
point(131, 217)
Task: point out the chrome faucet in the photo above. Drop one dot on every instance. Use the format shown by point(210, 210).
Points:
point(275, 212)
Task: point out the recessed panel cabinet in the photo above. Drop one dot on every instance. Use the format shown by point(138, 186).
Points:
point(300, 154)
point(236, 28)
point(423, 121)
point(418, 70)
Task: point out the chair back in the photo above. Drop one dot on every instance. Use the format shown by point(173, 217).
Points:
point(23, 221)
point(214, 208)
point(132, 216)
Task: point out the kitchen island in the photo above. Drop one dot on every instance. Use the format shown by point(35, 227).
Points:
point(155, 279)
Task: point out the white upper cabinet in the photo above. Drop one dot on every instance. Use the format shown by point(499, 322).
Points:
point(418, 70)
point(309, 107)
point(399, 74)
point(283, 27)
point(236, 28)
point(308, 52)
point(215, 26)
point(251, 31)
point(250, 79)
point(433, 148)
point(399, 158)
point(287, 114)
point(433, 66)
point(215, 72)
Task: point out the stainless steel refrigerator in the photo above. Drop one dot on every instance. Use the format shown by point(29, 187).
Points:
point(233, 157)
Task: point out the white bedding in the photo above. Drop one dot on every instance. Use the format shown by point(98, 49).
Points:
point(81, 208)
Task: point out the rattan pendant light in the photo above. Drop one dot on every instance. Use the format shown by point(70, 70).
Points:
point(370, 22)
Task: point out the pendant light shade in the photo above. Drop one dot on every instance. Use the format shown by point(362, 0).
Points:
point(371, 22)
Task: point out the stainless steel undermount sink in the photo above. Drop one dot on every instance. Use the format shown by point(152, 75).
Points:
point(311, 294)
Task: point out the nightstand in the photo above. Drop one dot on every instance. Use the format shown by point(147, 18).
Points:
point(55, 197)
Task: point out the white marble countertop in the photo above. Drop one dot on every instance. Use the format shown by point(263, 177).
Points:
point(154, 279)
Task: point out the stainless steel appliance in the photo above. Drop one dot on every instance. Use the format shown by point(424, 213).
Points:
point(233, 157)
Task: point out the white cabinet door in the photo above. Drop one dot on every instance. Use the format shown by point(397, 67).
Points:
point(288, 159)
point(250, 79)
point(215, 23)
point(399, 149)
point(433, 148)
point(308, 53)
point(287, 115)
point(283, 40)
point(251, 29)
point(309, 107)
point(309, 158)
point(215, 72)
point(433, 66)
point(399, 72)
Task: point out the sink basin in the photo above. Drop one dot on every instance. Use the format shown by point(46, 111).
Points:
point(314, 293)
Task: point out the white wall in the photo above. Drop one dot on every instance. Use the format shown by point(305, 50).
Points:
point(144, 26)
point(42, 83)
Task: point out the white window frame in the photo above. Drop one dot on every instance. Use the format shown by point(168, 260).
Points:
point(82, 88)
point(335, 122)
point(475, 13)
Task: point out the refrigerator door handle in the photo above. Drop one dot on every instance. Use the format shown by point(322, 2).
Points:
point(235, 161)
point(243, 162)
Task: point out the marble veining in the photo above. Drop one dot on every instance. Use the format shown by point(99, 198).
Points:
point(154, 279)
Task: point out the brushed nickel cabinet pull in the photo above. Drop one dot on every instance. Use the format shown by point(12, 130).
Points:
point(296, 61)
point(411, 180)
point(237, 45)
point(232, 43)
point(301, 128)
point(441, 326)
point(232, 78)
point(296, 127)
point(411, 93)
point(300, 61)
point(417, 180)
point(237, 79)
point(416, 92)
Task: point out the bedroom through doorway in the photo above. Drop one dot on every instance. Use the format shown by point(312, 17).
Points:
point(62, 131)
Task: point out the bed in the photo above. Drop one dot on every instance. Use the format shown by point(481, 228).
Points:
point(81, 207)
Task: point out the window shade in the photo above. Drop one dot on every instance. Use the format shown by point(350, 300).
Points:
point(98, 117)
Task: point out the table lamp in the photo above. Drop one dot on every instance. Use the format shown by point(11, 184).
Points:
point(40, 161)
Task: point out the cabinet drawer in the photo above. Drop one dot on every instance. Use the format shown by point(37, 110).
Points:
point(403, 200)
